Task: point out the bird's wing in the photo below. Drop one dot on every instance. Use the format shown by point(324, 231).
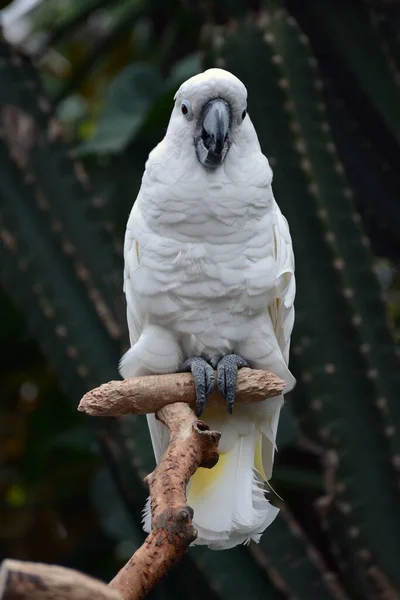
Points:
point(281, 308)
point(158, 432)
point(132, 263)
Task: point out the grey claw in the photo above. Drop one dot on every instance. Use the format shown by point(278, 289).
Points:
point(227, 369)
point(209, 380)
point(203, 375)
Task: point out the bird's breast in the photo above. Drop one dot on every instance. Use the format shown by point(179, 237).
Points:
point(207, 290)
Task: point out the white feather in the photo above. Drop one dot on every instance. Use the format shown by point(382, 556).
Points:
point(231, 508)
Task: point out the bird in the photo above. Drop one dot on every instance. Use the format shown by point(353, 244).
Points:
point(210, 287)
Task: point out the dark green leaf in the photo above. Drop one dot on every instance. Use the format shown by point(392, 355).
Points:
point(125, 109)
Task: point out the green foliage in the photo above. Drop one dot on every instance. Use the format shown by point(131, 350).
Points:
point(338, 534)
point(342, 228)
point(385, 20)
point(138, 99)
point(126, 106)
point(347, 24)
point(359, 113)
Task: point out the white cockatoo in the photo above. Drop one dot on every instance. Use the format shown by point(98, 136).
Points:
point(209, 283)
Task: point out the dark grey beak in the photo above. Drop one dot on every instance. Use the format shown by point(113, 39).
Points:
point(212, 136)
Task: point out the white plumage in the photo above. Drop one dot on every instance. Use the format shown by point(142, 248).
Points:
point(209, 270)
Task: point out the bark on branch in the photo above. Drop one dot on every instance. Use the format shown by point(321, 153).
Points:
point(191, 445)
point(143, 395)
point(20, 580)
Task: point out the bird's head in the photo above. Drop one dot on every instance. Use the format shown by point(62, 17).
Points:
point(209, 113)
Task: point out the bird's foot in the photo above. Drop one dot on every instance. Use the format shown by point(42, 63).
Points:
point(227, 369)
point(203, 375)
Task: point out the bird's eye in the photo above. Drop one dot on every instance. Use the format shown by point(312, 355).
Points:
point(244, 113)
point(186, 109)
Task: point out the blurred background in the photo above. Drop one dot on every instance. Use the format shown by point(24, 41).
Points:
point(86, 91)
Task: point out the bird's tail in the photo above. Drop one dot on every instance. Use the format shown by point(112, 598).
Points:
point(229, 502)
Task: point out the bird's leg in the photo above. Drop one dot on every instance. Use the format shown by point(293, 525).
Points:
point(227, 369)
point(203, 375)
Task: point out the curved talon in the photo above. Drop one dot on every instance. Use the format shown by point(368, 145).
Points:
point(203, 375)
point(227, 369)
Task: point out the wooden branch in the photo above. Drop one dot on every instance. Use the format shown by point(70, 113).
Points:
point(20, 580)
point(142, 395)
point(191, 445)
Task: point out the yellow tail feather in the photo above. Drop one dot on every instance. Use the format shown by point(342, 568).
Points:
point(203, 478)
